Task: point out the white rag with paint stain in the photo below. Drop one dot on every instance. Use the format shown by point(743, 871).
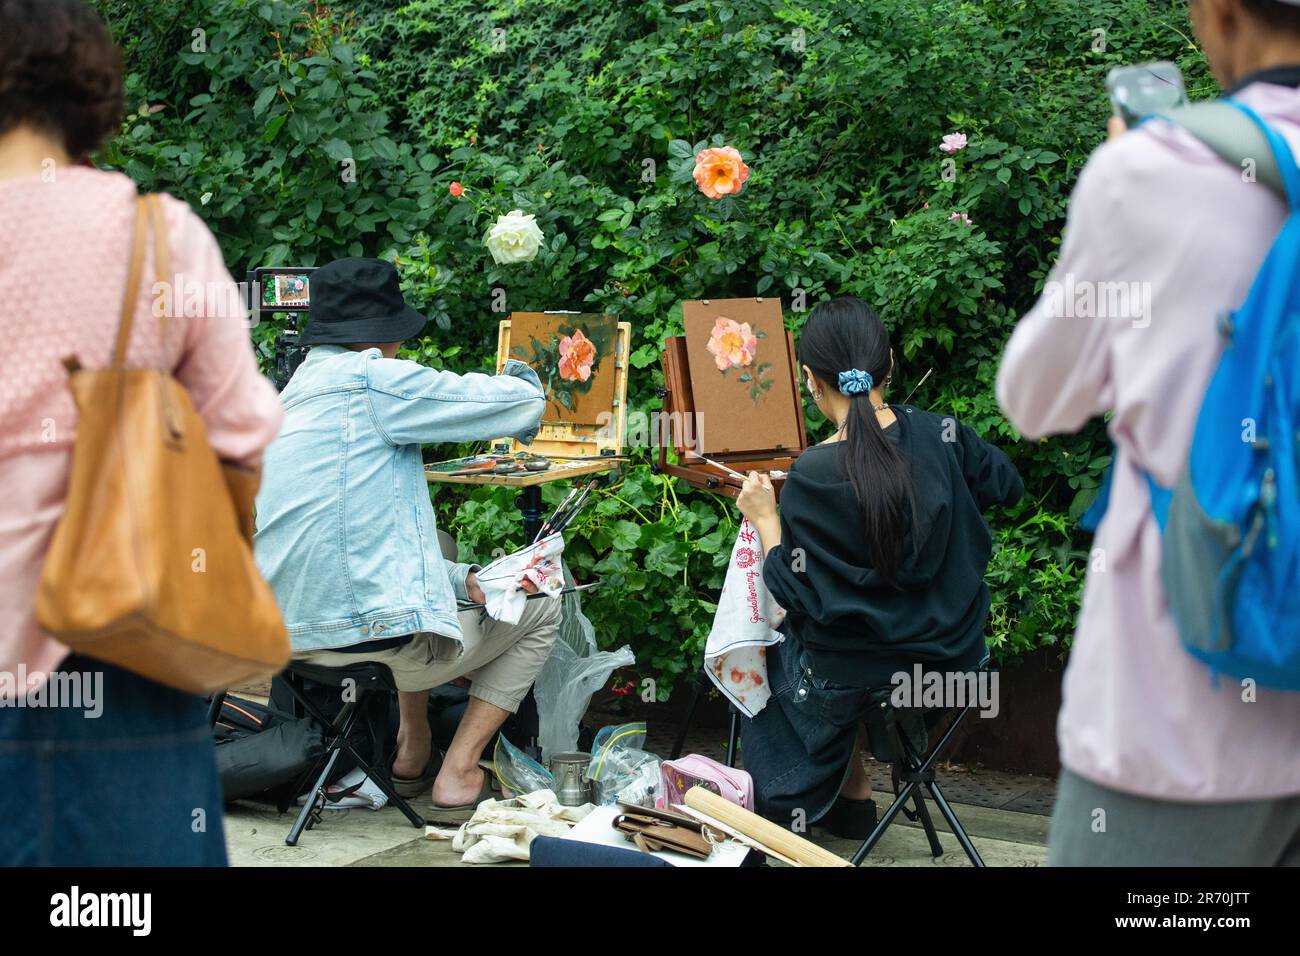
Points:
point(744, 627)
point(501, 580)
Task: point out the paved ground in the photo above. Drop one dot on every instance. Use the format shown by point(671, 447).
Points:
point(1005, 815)
point(255, 837)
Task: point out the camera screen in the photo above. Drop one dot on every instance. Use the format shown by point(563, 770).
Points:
point(286, 291)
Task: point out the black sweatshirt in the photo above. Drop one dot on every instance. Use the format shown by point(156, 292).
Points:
point(855, 628)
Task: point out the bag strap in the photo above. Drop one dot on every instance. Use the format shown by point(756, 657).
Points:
point(162, 260)
point(1234, 134)
point(148, 216)
point(131, 295)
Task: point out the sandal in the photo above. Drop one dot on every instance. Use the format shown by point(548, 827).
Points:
point(435, 813)
point(407, 787)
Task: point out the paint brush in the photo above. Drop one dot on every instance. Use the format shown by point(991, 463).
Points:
point(545, 529)
point(774, 473)
point(917, 385)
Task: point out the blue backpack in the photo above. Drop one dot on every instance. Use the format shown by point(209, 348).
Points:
point(1231, 525)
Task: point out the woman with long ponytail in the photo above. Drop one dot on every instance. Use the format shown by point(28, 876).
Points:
point(878, 556)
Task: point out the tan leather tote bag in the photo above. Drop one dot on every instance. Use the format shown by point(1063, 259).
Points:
point(151, 567)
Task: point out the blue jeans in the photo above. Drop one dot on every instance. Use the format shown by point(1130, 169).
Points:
point(799, 746)
point(135, 786)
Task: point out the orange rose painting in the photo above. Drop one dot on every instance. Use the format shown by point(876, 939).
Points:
point(577, 352)
point(720, 171)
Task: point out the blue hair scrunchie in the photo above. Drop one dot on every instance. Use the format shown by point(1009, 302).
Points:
point(856, 382)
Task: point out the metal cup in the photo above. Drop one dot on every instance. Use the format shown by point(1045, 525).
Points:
point(572, 789)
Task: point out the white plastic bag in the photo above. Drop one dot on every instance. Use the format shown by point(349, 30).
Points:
point(574, 671)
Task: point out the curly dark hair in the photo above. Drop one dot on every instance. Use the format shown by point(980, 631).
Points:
point(60, 72)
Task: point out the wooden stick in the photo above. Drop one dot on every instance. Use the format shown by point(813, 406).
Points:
point(787, 844)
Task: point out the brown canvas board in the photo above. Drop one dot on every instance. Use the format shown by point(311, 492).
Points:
point(741, 374)
point(574, 355)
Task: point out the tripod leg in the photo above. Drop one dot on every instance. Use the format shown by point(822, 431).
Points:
point(307, 808)
point(696, 692)
point(734, 739)
point(957, 829)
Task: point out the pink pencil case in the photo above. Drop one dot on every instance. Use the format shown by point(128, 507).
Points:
point(732, 785)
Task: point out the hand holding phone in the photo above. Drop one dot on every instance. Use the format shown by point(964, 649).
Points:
point(1145, 89)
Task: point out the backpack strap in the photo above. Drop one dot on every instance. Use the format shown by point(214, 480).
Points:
point(1231, 134)
point(1236, 133)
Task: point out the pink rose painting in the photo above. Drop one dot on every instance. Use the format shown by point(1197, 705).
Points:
point(734, 345)
point(569, 353)
point(577, 352)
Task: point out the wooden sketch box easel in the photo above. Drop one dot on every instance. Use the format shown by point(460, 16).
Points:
point(575, 450)
point(747, 416)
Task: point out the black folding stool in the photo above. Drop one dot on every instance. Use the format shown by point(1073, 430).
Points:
point(900, 736)
point(368, 684)
point(702, 684)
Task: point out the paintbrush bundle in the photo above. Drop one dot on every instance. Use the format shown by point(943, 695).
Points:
point(566, 511)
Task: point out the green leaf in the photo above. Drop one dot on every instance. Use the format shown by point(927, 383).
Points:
point(264, 100)
point(273, 127)
point(337, 150)
point(626, 535)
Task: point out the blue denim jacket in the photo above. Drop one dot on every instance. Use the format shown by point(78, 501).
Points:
point(345, 530)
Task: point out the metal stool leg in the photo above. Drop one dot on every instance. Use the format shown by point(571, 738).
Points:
point(922, 812)
point(696, 693)
point(309, 808)
point(384, 783)
point(900, 801)
point(734, 738)
point(957, 830)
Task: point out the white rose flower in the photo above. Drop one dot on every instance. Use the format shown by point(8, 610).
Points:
point(514, 238)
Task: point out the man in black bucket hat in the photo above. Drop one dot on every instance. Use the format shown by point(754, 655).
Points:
point(357, 300)
point(346, 534)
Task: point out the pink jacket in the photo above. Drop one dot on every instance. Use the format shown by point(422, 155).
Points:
point(1156, 210)
point(64, 249)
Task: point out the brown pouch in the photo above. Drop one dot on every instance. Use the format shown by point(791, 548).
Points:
point(654, 830)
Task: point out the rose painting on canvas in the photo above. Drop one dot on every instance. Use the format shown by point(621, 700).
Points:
point(573, 355)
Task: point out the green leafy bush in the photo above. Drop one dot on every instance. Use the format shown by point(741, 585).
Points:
point(302, 134)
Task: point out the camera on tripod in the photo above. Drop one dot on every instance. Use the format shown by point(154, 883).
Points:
point(285, 290)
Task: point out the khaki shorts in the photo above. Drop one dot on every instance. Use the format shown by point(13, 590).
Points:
point(502, 659)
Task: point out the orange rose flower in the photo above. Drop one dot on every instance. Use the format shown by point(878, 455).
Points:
point(576, 355)
point(719, 171)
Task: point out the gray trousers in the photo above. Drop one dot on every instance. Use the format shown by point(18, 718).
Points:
point(1096, 826)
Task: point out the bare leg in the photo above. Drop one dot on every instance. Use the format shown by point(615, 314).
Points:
point(414, 738)
point(460, 779)
point(858, 784)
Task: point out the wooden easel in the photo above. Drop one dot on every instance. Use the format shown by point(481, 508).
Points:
point(566, 440)
point(679, 408)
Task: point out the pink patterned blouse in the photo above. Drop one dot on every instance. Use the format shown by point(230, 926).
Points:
point(64, 251)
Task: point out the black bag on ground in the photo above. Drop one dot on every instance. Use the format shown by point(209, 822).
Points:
point(261, 751)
